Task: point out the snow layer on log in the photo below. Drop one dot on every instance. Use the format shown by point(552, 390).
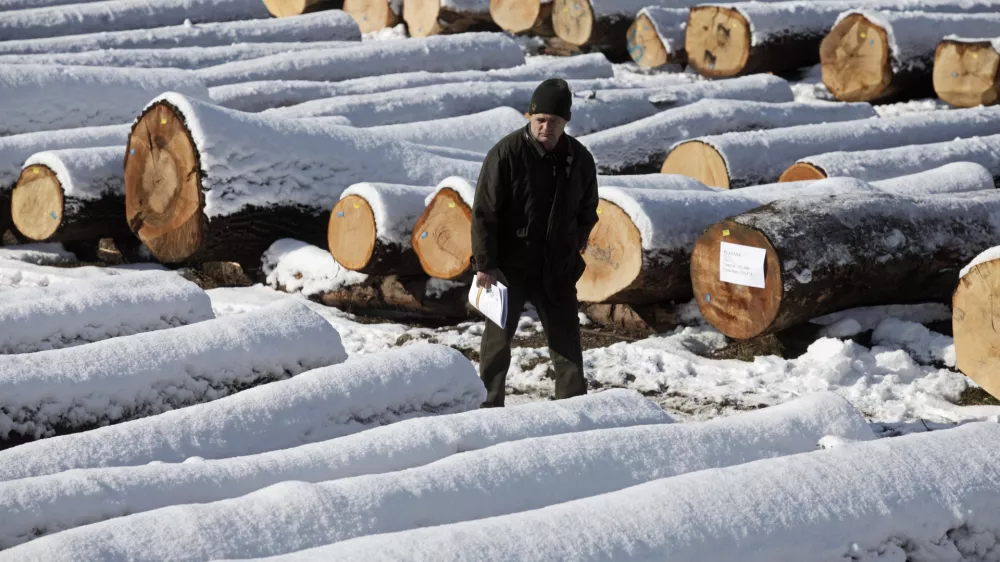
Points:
point(266, 94)
point(506, 478)
point(645, 142)
point(654, 181)
point(71, 499)
point(85, 173)
point(956, 177)
point(118, 15)
point(465, 189)
point(15, 149)
point(125, 378)
point(928, 494)
point(20, 274)
point(669, 24)
point(296, 267)
point(8, 5)
point(477, 132)
point(439, 53)
point(71, 314)
point(993, 41)
point(396, 208)
point(365, 392)
point(329, 25)
point(40, 98)
point(987, 256)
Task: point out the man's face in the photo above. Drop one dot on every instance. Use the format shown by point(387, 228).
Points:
point(547, 129)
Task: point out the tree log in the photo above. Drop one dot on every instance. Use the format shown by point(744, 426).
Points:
point(973, 321)
point(9, 5)
point(414, 297)
point(435, 17)
point(602, 26)
point(523, 17)
point(642, 321)
point(477, 132)
point(287, 8)
point(967, 71)
point(861, 63)
point(759, 157)
point(878, 249)
point(374, 15)
point(656, 37)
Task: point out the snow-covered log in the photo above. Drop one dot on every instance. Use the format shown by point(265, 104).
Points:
point(654, 181)
point(288, 8)
point(89, 310)
point(872, 165)
point(469, 51)
point(8, 5)
point(523, 17)
point(205, 183)
point(640, 146)
point(68, 390)
point(71, 499)
point(434, 17)
point(43, 98)
point(267, 94)
point(972, 321)
point(323, 26)
point(363, 393)
point(656, 37)
point(118, 15)
point(925, 496)
point(911, 251)
point(477, 132)
point(897, 58)
point(758, 157)
point(967, 71)
point(499, 480)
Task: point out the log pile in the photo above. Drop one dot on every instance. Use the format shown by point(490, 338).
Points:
point(435, 17)
point(967, 71)
point(973, 324)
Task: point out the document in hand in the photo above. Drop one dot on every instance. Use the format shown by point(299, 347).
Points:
point(491, 302)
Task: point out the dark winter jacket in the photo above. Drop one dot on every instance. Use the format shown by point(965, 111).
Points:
point(533, 210)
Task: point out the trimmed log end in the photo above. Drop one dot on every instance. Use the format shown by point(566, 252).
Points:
point(717, 41)
point(738, 311)
point(700, 161)
point(802, 171)
point(855, 58)
point(163, 199)
point(977, 345)
point(645, 46)
point(966, 74)
point(442, 236)
point(573, 21)
point(36, 203)
point(351, 234)
point(516, 16)
point(613, 255)
point(371, 15)
point(421, 17)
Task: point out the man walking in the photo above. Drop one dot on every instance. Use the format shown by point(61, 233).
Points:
point(535, 205)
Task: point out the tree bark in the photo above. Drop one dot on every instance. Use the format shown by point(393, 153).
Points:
point(405, 297)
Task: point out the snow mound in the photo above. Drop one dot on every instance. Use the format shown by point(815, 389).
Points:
point(296, 267)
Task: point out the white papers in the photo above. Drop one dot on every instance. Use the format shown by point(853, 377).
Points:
point(742, 265)
point(491, 302)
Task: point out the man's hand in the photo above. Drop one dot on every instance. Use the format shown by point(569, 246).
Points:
point(486, 279)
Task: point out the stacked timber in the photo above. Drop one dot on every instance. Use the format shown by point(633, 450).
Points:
point(434, 17)
point(758, 157)
point(911, 251)
point(523, 17)
point(973, 314)
point(876, 55)
point(656, 37)
point(967, 71)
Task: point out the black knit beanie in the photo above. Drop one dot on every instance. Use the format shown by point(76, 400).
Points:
point(552, 97)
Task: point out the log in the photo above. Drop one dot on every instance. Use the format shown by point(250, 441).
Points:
point(477, 132)
point(322, 26)
point(967, 71)
point(267, 94)
point(911, 251)
point(470, 51)
point(288, 8)
point(44, 98)
point(371, 225)
point(207, 183)
point(8, 5)
point(600, 25)
point(656, 37)
point(757, 157)
point(871, 165)
point(120, 15)
point(640, 147)
point(523, 17)
point(374, 15)
point(435, 17)
point(403, 298)
point(972, 321)
point(897, 57)
point(634, 320)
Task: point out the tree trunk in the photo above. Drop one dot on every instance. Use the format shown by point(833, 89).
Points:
point(287, 8)
point(374, 15)
point(436, 17)
point(476, 132)
point(576, 23)
point(641, 321)
point(973, 321)
point(967, 72)
point(656, 37)
point(878, 249)
point(401, 297)
point(523, 17)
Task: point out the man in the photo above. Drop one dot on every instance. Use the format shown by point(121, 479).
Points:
point(535, 205)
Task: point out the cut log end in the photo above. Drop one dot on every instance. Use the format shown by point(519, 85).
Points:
point(287, 8)
point(163, 199)
point(36, 204)
point(802, 171)
point(573, 21)
point(855, 59)
point(421, 17)
point(371, 15)
point(351, 234)
point(613, 255)
point(966, 74)
point(740, 312)
point(442, 236)
point(717, 41)
point(644, 44)
point(975, 307)
point(516, 16)
point(700, 161)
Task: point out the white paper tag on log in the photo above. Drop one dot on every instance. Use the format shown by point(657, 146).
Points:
point(742, 265)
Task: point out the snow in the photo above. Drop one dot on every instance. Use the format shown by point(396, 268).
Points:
point(502, 479)
point(986, 256)
point(922, 344)
point(39, 97)
point(467, 6)
point(673, 182)
point(15, 149)
point(387, 33)
point(16, 272)
point(395, 207)
point(68, 499)
point(85, 173)
point(870, 317)
point(329, 25)
point(6, 5)
point(477, 132)
point(993, 41)
point(919, 497)
point(297, 267)
point(38, 253)
point(956, 177)
point(465, 189)
point(89, 310)
point(124, 378)
point(118, 15)
point(438, 53)
point(669, 25)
